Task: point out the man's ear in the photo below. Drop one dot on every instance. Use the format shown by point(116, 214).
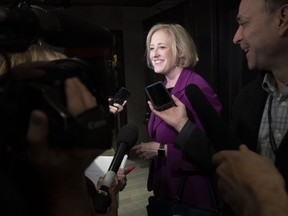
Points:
point(283, 20)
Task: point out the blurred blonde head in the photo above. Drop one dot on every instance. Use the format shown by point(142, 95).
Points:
point(182, 43)
point(35, 52)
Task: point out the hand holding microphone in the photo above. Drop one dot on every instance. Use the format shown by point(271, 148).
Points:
point(127, 137)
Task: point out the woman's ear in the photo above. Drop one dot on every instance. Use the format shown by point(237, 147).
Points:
point(283, 20)
point(180, 54)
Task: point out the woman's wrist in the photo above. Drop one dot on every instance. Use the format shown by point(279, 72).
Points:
point(162, 150)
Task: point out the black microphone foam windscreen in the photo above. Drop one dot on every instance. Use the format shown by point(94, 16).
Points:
point(126, 139)
point(215, 127)
point(128, 134)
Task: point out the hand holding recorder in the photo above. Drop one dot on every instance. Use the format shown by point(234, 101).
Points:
point(176, 116)
point(117, 103)
point(159, 96)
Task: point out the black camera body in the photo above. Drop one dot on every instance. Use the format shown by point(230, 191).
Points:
point(90, 129)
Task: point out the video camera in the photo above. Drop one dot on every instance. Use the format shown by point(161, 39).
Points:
point(90, 129)
point(58, 27)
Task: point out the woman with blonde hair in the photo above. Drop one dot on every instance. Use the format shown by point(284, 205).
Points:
point(172, 52)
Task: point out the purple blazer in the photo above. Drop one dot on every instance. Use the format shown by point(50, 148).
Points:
point(163, 176)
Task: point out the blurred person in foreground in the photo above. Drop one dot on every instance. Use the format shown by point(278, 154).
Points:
point(250, 183)
point(53, 180)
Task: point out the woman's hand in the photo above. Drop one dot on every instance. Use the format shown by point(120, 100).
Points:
point(146, 151)
point(116, 108)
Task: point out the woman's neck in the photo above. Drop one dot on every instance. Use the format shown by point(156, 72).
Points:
point(173, 77)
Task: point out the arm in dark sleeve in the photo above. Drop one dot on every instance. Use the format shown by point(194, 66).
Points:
point(196, 146)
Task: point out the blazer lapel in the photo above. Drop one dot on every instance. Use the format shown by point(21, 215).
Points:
point(182, 82)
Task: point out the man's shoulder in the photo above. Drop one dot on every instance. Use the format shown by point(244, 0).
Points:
point(253, 87)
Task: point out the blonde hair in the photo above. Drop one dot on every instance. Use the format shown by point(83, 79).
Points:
point(182, 43)
point(35, 52)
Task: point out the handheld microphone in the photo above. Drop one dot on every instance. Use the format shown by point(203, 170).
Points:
point(20, 26)
point(126, 139)
point(215, 127)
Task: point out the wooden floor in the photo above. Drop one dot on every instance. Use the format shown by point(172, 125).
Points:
point(133, 199)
